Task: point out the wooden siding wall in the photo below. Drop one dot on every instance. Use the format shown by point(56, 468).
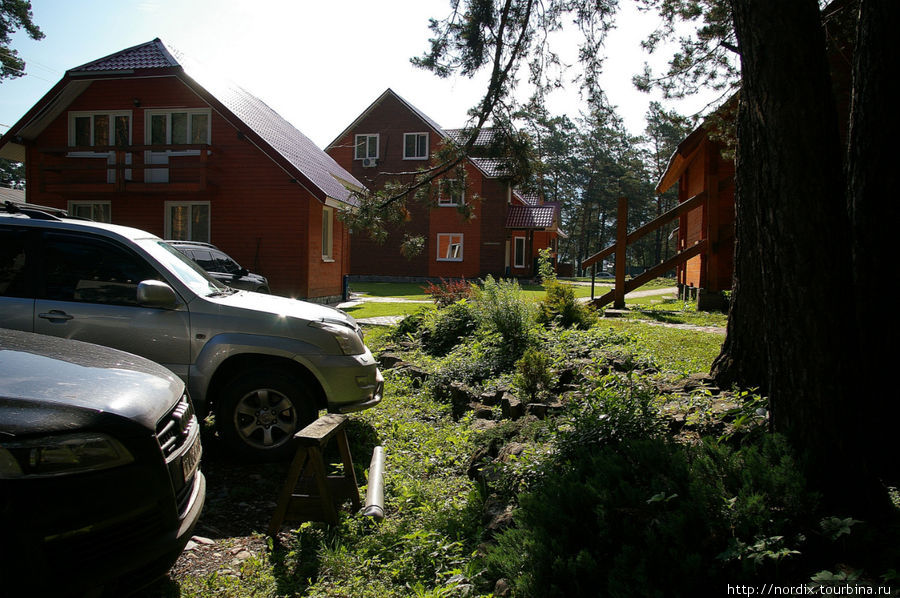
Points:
point(708, 168)
point(258, 215)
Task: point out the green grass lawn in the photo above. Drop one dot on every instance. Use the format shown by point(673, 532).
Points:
point(413, 291)
point(375, 309)
point(405, 290)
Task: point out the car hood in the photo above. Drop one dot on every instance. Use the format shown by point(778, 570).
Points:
point(283, 306)
point(42, 372)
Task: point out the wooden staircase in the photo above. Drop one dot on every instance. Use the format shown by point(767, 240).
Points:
point(624, 239)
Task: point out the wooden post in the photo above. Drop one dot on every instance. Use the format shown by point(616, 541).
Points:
point(621, 248)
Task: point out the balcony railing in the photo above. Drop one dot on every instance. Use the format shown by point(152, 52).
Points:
point(134, 168)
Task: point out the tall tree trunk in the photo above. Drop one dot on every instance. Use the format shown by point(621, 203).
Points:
point(874, 217)
point(790, 330)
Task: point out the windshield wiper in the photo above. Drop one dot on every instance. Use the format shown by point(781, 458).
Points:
point(223, 292)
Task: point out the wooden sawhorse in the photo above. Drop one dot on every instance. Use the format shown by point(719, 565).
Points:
point(318, 495)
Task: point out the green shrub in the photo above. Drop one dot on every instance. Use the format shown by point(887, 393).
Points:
point(444, 328)
point(501, 308)
point(533, 373)
point(482, 356)
point(546, 272)
point(559, 307)
point(620, 510)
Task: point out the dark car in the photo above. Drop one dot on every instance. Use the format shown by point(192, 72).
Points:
point(221, 266)
point(100, 486)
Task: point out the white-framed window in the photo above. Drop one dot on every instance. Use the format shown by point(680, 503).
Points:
point(450, 193)
point(415, 146)
point(177, 127)
point(327, 234)
point(366, 146)
point(90, 128)
point(187, 220)
point(519, 252)
point(450, 247)
point(98, 211)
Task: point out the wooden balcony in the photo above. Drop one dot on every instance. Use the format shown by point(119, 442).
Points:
point(118, 169)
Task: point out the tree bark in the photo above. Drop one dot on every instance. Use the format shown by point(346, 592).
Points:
point(790, 331)
point(874, 216)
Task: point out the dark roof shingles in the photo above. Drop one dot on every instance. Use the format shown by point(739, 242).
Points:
point(282, 136)
point(531, 216)
point(150, 55)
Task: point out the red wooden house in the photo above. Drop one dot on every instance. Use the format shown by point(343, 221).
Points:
point(146, 139)
point(700, 171)
point(503, 239)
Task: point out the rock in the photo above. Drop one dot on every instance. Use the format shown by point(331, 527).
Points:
point(460, 397)
point(482, 411)
point(501, 588)
point(416, 374)
point(511, 407)
point(202, 540)
point(512, 449)
point(483, 425)
point(491, 398)
point(389, 360)
point(539, 410)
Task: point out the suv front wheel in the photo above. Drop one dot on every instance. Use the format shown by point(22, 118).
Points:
point(260, 410)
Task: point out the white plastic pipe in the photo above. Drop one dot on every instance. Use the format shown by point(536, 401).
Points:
point(375, 492)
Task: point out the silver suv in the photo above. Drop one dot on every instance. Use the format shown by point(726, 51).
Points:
point(264, 365)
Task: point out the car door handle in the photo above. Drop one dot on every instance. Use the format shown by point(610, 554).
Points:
point(55, 315)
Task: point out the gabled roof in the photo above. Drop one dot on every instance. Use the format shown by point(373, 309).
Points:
point(537, 217)
point(491, 168)
point(680, 159)
point(275, 136)
point(149, 55)
point(388, 93)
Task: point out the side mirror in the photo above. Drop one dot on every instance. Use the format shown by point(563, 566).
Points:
point(242, 272)
point(155, 293)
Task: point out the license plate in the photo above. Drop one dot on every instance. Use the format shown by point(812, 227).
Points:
point(191, 459)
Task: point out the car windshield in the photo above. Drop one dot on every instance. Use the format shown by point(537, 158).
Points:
point(187, 271)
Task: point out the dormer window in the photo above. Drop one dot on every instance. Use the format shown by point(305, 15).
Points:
point(415, 146)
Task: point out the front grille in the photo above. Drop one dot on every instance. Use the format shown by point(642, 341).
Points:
point(90, 550)
point(175, 428)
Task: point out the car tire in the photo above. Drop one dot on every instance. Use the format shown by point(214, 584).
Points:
point(259, 412)
point(263, 290)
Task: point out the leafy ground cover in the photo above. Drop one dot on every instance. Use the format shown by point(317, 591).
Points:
point(527, 458)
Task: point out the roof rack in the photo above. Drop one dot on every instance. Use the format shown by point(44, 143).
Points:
point(36, 212)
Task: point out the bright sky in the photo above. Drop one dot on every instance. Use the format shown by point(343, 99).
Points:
point(318, 64)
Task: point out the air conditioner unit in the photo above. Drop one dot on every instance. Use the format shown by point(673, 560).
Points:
point(370, 162)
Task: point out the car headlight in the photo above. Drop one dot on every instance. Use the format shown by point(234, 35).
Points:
point(346, 336)
point(61, 455)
